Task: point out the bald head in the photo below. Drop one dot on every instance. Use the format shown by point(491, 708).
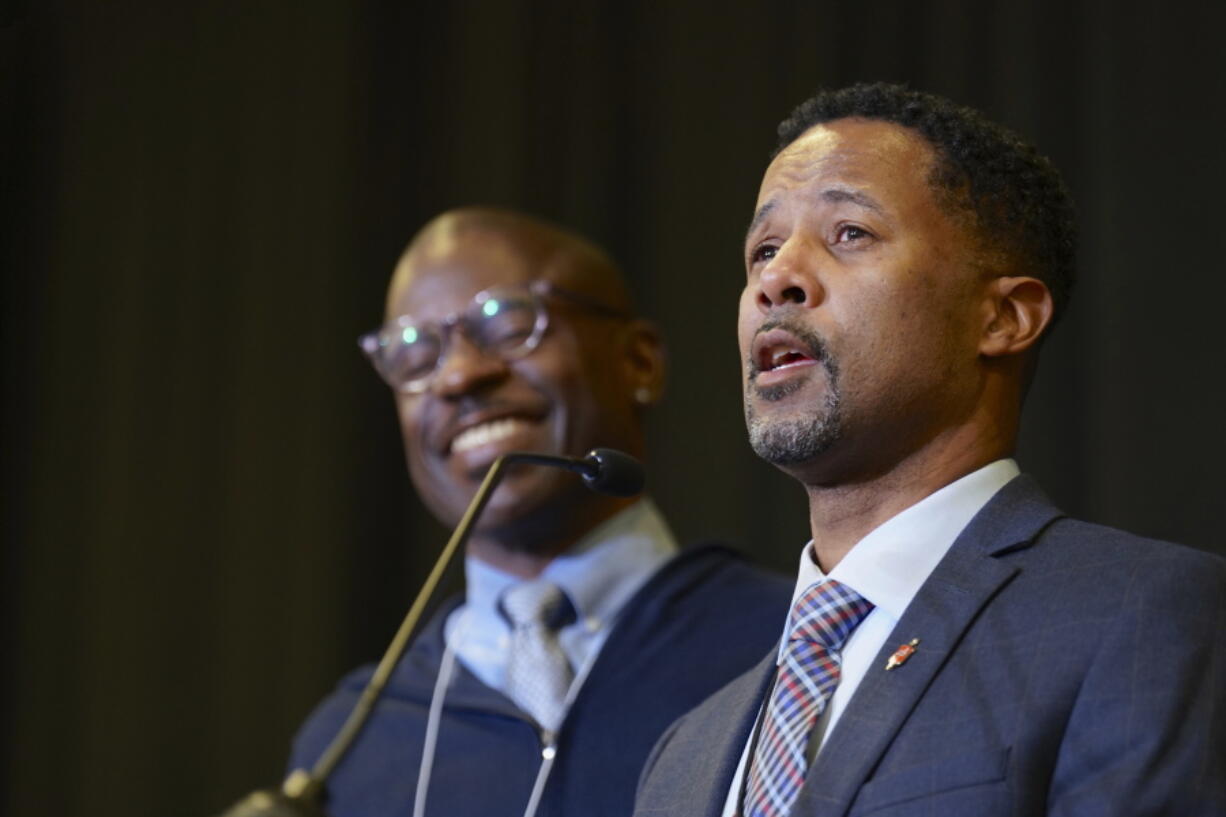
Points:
point(522, 246)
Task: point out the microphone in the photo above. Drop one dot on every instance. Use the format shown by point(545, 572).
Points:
point(613, 472)
point(604, 470)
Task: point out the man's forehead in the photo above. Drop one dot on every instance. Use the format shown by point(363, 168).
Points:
point(455, 265)
point(870, 163)
point(850, 150)
point(462, 252)
point(495, 252)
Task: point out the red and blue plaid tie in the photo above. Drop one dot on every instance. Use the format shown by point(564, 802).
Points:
point(822, 619)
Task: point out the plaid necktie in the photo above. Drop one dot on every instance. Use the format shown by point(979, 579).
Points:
point(538, 672)
point(822, 619)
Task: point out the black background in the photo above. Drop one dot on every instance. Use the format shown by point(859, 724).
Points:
point(206, 513)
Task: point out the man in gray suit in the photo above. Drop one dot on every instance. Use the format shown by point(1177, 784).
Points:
point(957, 646)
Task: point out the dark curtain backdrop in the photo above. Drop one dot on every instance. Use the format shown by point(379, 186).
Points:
point(206, 513)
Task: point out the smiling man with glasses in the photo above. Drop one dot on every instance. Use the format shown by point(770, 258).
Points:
point(584, 631)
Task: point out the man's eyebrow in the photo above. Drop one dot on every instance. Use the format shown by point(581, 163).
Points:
point(834, 195)
point(762, 213)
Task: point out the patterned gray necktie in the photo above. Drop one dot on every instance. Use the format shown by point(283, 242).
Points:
point(538, 672)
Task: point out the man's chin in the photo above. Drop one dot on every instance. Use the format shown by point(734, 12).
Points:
point(791, 433)
point(794, 442)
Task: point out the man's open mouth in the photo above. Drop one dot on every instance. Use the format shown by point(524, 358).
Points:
point(780, 349)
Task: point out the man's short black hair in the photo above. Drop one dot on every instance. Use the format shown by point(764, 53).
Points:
point(1015, 196)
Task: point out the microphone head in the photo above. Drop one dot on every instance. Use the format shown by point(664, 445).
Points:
point(613, 472)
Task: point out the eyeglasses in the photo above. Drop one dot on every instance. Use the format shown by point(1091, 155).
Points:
point(504, 321)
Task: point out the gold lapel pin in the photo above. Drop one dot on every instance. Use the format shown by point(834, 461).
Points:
point(901, 654)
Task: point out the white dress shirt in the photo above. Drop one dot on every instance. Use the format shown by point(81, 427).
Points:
point(599, 575)
point(887, 567)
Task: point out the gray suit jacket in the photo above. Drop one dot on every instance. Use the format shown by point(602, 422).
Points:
point(1063, 668)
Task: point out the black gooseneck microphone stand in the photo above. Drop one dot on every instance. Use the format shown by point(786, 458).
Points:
point(604, 470)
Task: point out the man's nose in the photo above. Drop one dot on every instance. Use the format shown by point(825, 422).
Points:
point(465, 367)
point(791, 277)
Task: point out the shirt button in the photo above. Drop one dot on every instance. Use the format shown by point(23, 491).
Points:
point(548, 752)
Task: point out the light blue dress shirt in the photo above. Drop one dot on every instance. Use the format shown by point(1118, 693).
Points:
point(599, 575)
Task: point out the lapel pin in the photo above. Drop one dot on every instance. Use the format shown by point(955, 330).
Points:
point(901, 655)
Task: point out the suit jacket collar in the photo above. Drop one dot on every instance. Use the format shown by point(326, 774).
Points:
point(949, 601)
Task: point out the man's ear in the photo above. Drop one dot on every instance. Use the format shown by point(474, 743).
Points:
point(1017, 310)
point(644, 360)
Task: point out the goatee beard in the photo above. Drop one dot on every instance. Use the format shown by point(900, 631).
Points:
point(798, 439)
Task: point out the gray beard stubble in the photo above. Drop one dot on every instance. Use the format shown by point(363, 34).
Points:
point(789, 442)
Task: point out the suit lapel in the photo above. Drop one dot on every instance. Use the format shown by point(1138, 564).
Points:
point(736, 708)
point(939, 615)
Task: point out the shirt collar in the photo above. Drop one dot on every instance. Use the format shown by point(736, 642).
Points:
point(889, 565)
point(599, 573)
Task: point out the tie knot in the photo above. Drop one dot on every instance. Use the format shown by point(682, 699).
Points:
point(538, 603)
point(826, 614)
